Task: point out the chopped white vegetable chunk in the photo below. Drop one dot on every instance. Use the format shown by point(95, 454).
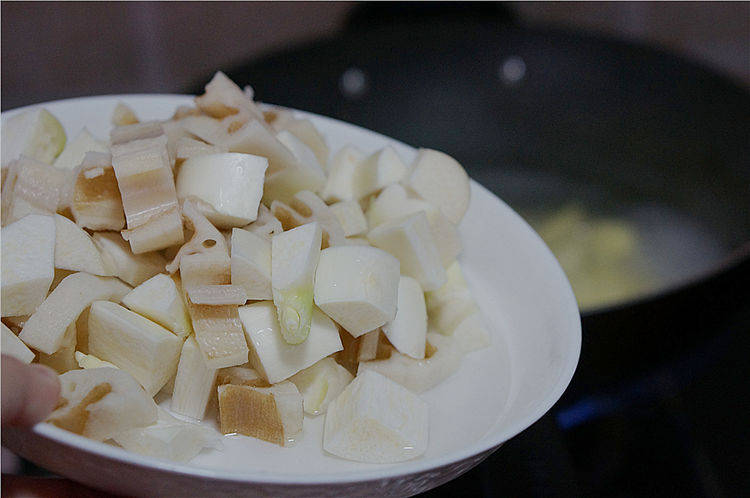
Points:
point(159, 299)
point(144, 177)
point(32, 187)
point(148, 351)
point(420, 375)
point(304, 130)
point(27, 266)
point(96, 201)
point(294, 258)
point(75, 250)
point(471, 334)
point(231, 183)
point(73, 154)
point(395, 203)
point(168, 438)
point(102, 402)
point(320, 384)
point(13, 346)
point(34, 133)
point(376, 420)
point(45, 329)
point(347, 176)
point(384, 168)
point(410, 240)
point(452, 311)
point(408, 330)
point(271, 355)
point(194, 382)
point(273, 414)
point(251, 263)
point(357, 286)
point(441, 180)
point(122, 263)
point(87, 361)
point(64, 358)
point(351, 217)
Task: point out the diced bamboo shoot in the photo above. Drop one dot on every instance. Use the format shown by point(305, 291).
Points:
point(45, 329)
point(159, 299)
point(410, 240)
point(348, 179)
point(217, 294)
point(63, 359)
point(306, 207)
point(168, 438)
point(75, 250)
point(34, 133)
point(254, 138)
point(273, 414)
point(449, 305)
point(13, 346)
point(294, 258)
point(148, 351)
point(219, 334)
point(231, 183)
point(146, 184)
point(32, 187)
point(376, 420)
point(73, 154)
point(271, 355)
point(121, 262)
point(440, 179)
point(357, 286)
point(394, 203)
point(471, 334)
point(384, 167)
point(240, 376)
point(251, 263)
point(350, 216)
point(420, 375)
point(320, 384)
point(87, 361)
point(123, 115)
point(224, 98)
point(194, 382)
point(27, 266)
point(101, 402)
point(96, 201)
point(408, 330)
point(304, 130)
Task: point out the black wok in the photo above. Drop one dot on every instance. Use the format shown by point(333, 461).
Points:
point(543, 116)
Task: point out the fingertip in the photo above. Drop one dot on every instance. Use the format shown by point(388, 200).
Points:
point(45, 390)
point(48, 381)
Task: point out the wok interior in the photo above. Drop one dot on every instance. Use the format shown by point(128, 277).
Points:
point(551, 121)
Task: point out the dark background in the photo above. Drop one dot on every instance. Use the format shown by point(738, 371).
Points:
point(678, 428)
point(57, 50)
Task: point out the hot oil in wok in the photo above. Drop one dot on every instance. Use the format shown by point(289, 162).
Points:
point(613, 250)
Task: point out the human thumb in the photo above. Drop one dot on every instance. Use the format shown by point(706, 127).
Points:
point(29, 392)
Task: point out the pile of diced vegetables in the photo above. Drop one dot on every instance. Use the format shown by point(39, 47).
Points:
point(225, 258)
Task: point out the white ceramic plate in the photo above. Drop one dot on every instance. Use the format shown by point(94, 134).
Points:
point(528, 308)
